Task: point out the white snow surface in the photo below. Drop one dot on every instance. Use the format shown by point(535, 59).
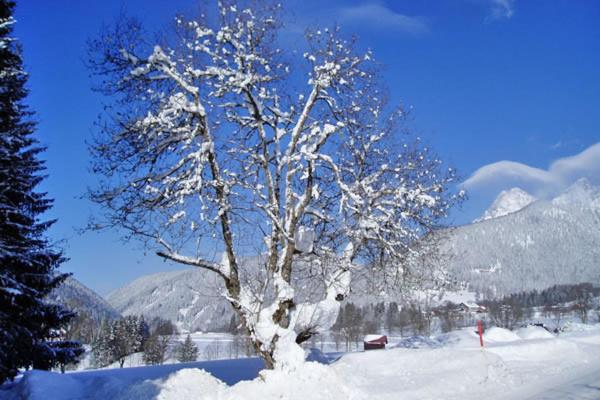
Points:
point(499, 335)
point(533, 332)
point(507, 202)
point(450, 366)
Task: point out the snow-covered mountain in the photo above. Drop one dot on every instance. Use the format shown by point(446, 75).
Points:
point(79, 298)
point(548, 242)
point(545, 243)
point(189, 298)
point(507, 202)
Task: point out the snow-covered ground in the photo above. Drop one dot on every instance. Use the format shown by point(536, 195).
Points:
point(529, 363)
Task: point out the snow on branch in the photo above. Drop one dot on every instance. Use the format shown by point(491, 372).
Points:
point(209, 137)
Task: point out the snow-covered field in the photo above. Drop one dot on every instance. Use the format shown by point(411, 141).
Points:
point(526, 364)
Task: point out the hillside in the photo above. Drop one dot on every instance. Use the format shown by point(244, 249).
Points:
point(190, 298)
point(79, 298)
point(548, 242)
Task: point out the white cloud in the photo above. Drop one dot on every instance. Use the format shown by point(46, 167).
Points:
point(540, 182)
point(585, 164)
point(378, 16)
point(502, 9)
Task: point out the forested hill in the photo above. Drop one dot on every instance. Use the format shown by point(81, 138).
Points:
point(547, 242)
point(81, 299)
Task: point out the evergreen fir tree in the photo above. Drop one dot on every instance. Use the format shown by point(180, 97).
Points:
point(125, 338)
point(155, 349)
point(102, 354)
point(117, 340)
point(29, 327)
point(143, 330)
point(187, 351)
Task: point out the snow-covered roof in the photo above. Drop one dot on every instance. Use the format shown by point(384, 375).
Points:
point(370, 338)
point(471, 305)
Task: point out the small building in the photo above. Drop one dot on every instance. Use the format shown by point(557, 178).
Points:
point(373, 342)
point(472, 307)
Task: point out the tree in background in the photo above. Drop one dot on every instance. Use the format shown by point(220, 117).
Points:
point(212, 351)
point(187, 351)
point(82, 328)
point(349, 324)
point(117, 340)
point(214, 137)
point(392, 316)
point(29, 326)
point(506, 314)
point(143, 331)
point(163, 327)
point(101, 350)
point(155, 349)
point(584, 301)
point(448, 316)
point(557, 313)
point(126, 338)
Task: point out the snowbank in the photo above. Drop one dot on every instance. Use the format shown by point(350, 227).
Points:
point(534, 332)
point(499, 335)
point(191, 384)
point(311, 381)
point(141, 383)
point(572, 326)
point(466, 337)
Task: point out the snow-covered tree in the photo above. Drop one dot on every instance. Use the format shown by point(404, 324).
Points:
point(101, 351)
point(219, 140)
point(187, 351)
point(155, 349)
point(58, 353)
point(29, 326)
point(117, 340)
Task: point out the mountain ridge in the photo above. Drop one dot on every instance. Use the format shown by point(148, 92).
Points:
point(80, 298)
point(507, 202)
point(555, 241)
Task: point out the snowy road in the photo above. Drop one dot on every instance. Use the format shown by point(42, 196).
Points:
point(585, 387)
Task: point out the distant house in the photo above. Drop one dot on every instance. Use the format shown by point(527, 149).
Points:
point(471, 307)
point(373, 342)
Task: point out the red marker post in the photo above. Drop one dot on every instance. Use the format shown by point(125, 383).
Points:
point(480, 331)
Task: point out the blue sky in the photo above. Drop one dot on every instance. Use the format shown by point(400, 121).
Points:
point(489, 81)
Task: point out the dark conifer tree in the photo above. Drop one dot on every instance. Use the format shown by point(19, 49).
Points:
point(29, 327)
